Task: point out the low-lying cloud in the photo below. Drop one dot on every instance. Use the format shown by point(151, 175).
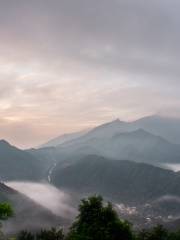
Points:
point(168, 198)
point(48, 196)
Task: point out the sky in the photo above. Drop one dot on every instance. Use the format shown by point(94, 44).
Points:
point(67, 65)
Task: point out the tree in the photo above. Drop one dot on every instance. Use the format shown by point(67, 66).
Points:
point(5, 211)
point(159, 233)
point(143, 234)
point(97, 221)
point(52, 234)
point(25, 235)
point(156, 233)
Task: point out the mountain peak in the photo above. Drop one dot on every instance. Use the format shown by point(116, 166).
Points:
point(116, 122)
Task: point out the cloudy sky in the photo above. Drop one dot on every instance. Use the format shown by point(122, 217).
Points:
point(67, 65)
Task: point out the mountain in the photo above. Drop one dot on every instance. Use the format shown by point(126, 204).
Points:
point(63, 138)
point(138, 145)
point(16, 164)
point(107, 130)
point(142, 193)
point(28, 214)
point(166, 127)
point(142, 146)
point(150, 139)
point(102, 132)
point(122, 181)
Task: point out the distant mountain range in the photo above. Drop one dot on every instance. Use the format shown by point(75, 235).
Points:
point(138, 146)
point(114, 140)
point(166, 127)
point(146, 140)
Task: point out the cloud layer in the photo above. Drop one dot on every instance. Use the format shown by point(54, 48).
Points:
point(66, 65)
point(47, 196)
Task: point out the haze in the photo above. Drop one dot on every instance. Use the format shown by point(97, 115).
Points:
point(68, 65)
point(47, 196)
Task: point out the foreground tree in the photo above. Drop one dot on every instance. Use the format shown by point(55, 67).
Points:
point(52, 234)
point(156, 233)
point(97, 221)
point(5, 212)
point(25, 235)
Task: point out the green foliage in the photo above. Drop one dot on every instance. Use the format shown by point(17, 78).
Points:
point(5, 211)
point(52, 234)
point(174, 236)
point(25, 235)
point(157, 233)
point(99, 222)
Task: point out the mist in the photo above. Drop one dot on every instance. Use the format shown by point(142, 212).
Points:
point(48, 196)
point(173, 167)
point(169, 198)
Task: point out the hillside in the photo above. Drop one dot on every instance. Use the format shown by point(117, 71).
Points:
point(28, 214)
point(143, 194)
point(16, 164)
point(63, 138)
point(121, 181)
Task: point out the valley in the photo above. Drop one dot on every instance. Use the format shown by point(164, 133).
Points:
point(134, 169)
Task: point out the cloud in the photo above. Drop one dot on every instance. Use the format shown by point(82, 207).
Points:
point(66, 65)
point(168, 198)
point(57, 201)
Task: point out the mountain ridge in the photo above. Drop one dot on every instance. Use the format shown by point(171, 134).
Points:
point(148, 123)
point(121, 180)
point(17, 164)
point(137, 145)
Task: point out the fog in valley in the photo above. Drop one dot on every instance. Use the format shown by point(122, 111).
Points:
point(48, 196)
